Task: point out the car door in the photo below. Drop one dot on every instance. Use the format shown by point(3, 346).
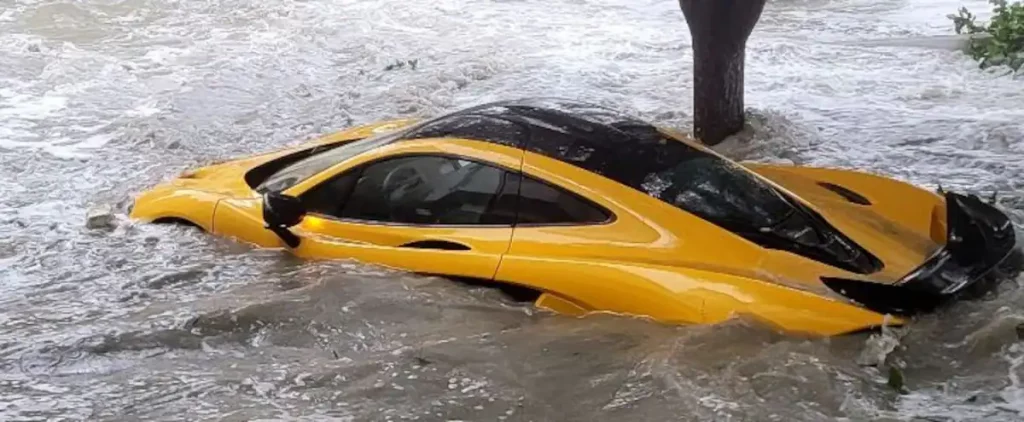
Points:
point(587, 243)
point(427, 212)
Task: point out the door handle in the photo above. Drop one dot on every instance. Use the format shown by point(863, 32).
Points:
point(444, 245)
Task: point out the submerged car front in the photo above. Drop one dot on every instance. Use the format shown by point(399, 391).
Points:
point(193, 196)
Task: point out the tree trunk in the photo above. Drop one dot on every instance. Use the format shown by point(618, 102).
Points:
point(719, 30)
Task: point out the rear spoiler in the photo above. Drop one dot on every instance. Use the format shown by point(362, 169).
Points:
point(980, 238)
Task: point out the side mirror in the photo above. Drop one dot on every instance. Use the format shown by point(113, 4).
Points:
point(281, 212)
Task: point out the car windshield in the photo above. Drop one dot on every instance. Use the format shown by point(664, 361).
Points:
point(316, 163)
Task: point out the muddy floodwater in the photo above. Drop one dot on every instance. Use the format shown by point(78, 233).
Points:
point(100, 99)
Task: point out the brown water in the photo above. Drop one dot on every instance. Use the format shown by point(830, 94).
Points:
point(100, 99)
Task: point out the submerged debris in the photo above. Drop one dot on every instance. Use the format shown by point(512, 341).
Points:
point(403, 63)
point(878, 347)
point(100, 217)
point(896, 380)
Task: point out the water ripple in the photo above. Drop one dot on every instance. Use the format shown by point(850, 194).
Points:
point(100, 99)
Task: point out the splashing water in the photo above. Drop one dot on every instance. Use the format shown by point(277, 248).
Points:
point(101, 99)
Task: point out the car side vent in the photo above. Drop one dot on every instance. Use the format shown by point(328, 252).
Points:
point(436, 244)
point(847, 194)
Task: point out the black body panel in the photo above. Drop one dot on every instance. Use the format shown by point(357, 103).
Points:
point(981, 248)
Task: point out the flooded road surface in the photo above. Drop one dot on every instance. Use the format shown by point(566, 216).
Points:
point(100, 99)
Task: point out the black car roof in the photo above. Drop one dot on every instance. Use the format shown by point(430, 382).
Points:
point(596, 138)
point(636, 154)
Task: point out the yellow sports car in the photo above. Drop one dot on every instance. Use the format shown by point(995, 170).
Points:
point(589, 210)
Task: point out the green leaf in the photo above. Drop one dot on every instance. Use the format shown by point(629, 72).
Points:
point(1005, 44)
point(896, 381)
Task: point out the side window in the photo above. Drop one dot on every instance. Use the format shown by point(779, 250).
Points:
point(427, 190)
point(540, 203)
point(328, 197)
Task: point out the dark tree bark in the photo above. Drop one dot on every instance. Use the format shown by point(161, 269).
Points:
point(719, 29)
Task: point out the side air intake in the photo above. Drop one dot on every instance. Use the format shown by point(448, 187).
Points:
point(847, 194)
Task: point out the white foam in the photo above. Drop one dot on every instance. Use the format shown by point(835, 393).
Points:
point(851, 83)
point(28, 107)
point(164, 55)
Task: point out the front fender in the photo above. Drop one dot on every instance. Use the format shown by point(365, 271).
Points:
point(169, 201)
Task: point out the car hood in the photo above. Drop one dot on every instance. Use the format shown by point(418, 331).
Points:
point(228, 177)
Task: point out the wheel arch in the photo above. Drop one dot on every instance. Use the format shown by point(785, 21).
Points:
point(179, 221)
point(169, 204)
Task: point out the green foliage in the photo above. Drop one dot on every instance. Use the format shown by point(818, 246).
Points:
point(1004, 35)
point(896, 381)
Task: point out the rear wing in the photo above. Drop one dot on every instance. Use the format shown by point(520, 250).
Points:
point(980, 239)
